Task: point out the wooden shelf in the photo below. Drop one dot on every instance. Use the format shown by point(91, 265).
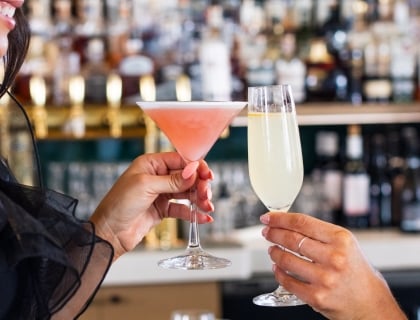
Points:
point(97, 122)
point(343, 114)
point(132, 121)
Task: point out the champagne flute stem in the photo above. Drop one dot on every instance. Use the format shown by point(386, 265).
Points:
point(193, 239)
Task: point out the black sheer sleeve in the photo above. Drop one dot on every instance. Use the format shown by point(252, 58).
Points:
point(46, 247)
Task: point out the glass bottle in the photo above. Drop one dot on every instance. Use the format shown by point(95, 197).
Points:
point(377, 84)
point(290, 68)
point(396, 172)
point(410, 193)
point(380, 184)
point(95, 72)
point(404, 54)
point(67, 63)
point(356, 182)
point(216, 76)
point(328, 171)
point(320, 65)
point(358, 36)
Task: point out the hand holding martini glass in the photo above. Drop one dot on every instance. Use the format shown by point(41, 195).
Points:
point(192, 127)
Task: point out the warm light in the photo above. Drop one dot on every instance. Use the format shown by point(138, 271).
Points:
point(183, 88)
point(318, 52)
point(4, 100)
point(360, 8)
point(147, 88)
point(114, 90)
point(38, 90)
point(77, 90)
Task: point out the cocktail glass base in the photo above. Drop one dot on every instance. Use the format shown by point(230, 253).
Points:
point(194, 259)
point(277, 299)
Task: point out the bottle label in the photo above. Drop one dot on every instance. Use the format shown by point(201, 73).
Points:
point(356, 195)
point(411, 217)
point(333, 181)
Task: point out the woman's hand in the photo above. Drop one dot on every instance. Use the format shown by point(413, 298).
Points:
point(338, 281)
point(139, 199)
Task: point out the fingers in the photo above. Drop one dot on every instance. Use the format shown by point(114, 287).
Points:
point(291, 240)
point(288, 230)
point(301, 289)
point(302, 224)
point(300, 268)
point(181, 211)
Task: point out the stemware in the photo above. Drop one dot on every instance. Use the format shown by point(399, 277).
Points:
point(192, 314)
point(192, 127)
point(274, 160)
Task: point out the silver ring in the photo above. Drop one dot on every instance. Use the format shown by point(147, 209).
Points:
point(300, 244)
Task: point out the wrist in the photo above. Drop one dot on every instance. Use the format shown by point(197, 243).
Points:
point(105, 232)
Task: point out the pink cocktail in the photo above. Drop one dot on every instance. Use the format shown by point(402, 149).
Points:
point(193, 128)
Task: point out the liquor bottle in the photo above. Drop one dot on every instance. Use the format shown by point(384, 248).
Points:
point(396, 172)
point(290, 68)
point(380, 184)
point(67, 61)
point(319, 69)
point(305, 25)
point(410, 193)
point(62, 18)
point(326, 77)
point(224, 217)
point(334, 31)
point(356, 182)
point(377, 84)
point(358, 37)
point(95, 71)
point(118, 23)
point(215, 67)
point(328, 171)
point(40, 56)
point(403, 58)
point(89, 23)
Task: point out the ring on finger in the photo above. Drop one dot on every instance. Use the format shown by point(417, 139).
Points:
point(300, 245)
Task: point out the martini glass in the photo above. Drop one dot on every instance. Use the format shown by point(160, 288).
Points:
point(192, 127)
point(275, 160)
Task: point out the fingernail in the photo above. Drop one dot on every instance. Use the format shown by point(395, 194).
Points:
point(211, 175)
point(264, 231)
point(211, 206)
point(209, 194)
point(274, 267)
point(265, 218)
point(189, 170)
point(209, 218)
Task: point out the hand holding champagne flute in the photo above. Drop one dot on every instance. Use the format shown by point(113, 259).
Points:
point(274, 159)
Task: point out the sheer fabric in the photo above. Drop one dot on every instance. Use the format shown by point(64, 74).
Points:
point(44, 249)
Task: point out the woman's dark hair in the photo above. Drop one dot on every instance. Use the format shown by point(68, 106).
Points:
point(18, 46)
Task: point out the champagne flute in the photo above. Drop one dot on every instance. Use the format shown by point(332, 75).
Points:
point(193, 127)
point(275, 160)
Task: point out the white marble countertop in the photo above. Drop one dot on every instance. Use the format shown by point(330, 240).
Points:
point(386, 250)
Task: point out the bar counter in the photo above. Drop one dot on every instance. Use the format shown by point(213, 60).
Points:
point(387, 250)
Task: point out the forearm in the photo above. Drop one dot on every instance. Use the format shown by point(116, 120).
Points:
point(384, 306)
point(96, 264)
point(376, 303)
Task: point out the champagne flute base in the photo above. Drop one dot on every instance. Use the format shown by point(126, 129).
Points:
point(278, 298)
point(194, 259)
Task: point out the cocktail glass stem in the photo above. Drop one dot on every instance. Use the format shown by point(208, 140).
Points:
point(193, 239)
